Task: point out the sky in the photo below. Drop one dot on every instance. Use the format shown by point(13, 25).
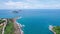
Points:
point(29, 4)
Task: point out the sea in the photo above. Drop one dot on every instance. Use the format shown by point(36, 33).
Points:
point(35, 21)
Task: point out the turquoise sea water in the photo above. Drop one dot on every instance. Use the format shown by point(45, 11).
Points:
point(36, 21)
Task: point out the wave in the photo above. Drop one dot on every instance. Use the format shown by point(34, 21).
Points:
point(19, 17)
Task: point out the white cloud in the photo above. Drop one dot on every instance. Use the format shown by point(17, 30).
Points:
point(17, 5)
point(26, 5)
point(14, 4)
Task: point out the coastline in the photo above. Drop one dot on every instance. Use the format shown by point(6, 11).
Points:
point(18, 27)
point(51, 28)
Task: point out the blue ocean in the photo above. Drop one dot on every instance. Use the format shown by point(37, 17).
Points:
point(36, 21)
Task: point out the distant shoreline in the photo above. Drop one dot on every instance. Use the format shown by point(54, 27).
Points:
point(51, 28)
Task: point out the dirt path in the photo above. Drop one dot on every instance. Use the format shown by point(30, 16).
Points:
point(5, 23)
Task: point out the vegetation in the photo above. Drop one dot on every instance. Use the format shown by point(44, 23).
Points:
point(9, 28)
point(1, 29)
point(56, 29)
point(1, 21)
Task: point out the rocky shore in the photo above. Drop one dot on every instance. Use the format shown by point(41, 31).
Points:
point(17, 27)
point(51, 28)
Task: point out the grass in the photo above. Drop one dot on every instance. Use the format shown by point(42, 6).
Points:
point(9, 28)
point(1, 26)
point(1, 21)
point(1, 29)
point(57, 29)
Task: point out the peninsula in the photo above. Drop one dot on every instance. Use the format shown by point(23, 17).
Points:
point(9, 26)
point(54, 29)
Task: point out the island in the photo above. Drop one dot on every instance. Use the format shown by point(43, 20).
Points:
point(10, 26)
point(54, 29)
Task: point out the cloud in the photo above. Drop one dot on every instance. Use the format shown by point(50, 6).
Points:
point(14, 4)
point(28, 4)
point(17, 5)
